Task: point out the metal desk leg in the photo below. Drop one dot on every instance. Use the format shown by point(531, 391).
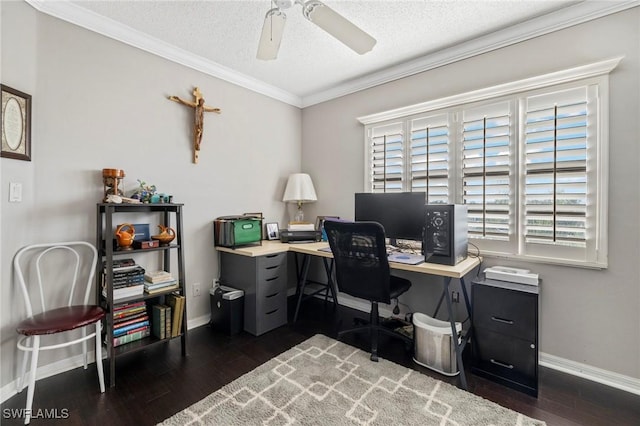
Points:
point(454, 335)
point(330, 284)
point(466, 297)
point(302, 279)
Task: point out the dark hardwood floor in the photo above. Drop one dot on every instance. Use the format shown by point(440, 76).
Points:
point(156, 383)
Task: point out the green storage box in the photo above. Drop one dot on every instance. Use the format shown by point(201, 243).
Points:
point(233, 231)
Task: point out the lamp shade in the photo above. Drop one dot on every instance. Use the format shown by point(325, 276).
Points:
point(300, 189)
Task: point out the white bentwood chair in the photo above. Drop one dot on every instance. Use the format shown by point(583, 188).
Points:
point(70, 262)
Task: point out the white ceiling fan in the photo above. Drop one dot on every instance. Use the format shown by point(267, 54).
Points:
point(318, 13)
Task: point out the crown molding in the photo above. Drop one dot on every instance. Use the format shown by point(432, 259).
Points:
point(92, 21)
point(563, 76)
point(564, 18)
point(555, 21)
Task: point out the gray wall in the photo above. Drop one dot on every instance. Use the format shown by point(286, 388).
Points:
point(586, 316)
point(98, 103)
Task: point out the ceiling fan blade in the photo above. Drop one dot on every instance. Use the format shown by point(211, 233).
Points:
point(338, 26)
point(271, 36)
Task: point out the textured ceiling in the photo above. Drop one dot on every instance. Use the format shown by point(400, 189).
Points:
point(310, 61)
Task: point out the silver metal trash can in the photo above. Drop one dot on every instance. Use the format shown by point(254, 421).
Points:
point(434, 347)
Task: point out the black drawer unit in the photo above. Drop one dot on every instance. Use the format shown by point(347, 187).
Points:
point(505, 333)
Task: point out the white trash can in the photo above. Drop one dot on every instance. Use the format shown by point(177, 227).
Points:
point(434, 347)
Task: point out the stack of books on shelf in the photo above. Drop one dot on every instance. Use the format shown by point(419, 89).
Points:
point(128, 279)
point(130, 323)
point(176, 302)
point(159, 282)
point(161, 321)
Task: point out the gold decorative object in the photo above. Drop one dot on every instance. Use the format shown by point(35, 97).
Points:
point(165, 236)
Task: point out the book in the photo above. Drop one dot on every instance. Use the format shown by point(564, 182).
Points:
point(124, 292)
point(168, 318)
point(130, 321)
point(124, 329)
point(120, 263)
point(130, 305)
point(161, 289)
point(124, 318)
point(117, 341)
point(129, 312)
point(182, 300)
point(175, 301)
point(301, 227)
point(150, 286)
point(157, 276)
point(159, 322)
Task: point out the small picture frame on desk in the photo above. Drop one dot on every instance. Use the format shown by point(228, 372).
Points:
point(320, 225)
point(273, 231)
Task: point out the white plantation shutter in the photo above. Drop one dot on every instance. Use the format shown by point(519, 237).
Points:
point(559, 146)
point(430, 158)
point(386, 158)
point(528, 158)
point(487, 166)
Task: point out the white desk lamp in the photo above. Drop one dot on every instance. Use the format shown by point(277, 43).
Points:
point(300, 190)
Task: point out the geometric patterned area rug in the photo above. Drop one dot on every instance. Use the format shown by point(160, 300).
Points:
point(326, 382)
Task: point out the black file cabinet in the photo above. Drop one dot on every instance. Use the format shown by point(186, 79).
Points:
point(505, 336)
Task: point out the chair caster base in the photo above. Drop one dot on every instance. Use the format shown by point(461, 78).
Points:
point(374, 357)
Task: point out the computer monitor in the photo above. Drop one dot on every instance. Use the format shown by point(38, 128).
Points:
point(402, 214)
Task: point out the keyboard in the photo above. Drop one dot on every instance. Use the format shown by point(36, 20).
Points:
point(398, 257)
point(406, 258)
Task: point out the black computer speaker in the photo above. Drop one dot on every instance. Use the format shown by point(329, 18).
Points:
point(445, 236)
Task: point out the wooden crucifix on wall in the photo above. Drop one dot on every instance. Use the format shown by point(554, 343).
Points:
point(199, 109)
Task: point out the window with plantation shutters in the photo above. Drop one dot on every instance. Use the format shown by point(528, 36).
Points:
point(559, 150)
point(429, 158)
point(386, 154)
point(528, 158)
point(487, 167)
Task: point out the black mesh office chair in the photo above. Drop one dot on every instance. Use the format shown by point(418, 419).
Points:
point(362, 271)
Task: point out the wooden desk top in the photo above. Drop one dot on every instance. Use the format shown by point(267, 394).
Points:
point(274, 247)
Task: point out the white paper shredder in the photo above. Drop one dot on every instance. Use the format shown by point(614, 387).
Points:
point(434, 347)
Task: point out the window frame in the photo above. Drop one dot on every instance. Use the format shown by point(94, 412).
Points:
point(516, 92)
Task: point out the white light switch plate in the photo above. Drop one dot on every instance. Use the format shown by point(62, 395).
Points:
point(15, 192)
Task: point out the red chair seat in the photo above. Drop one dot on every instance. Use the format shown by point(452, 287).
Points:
point(61, 319)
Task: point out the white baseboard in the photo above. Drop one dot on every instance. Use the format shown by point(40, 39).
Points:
point(197, 322)
point(64, 365)
point(595, 374)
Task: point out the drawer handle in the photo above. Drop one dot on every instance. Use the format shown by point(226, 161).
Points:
point(502, 364)
point(272, 267)
point(272, 295)
point(271, 255)
point(272, 312)
point(502, 320)
point(273, 279)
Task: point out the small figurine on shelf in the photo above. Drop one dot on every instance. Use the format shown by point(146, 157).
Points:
point(145, 192)
point(125, 233)
point(166, 235)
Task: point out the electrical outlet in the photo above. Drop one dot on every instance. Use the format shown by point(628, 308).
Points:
point(196, 289)
point(455, 297)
